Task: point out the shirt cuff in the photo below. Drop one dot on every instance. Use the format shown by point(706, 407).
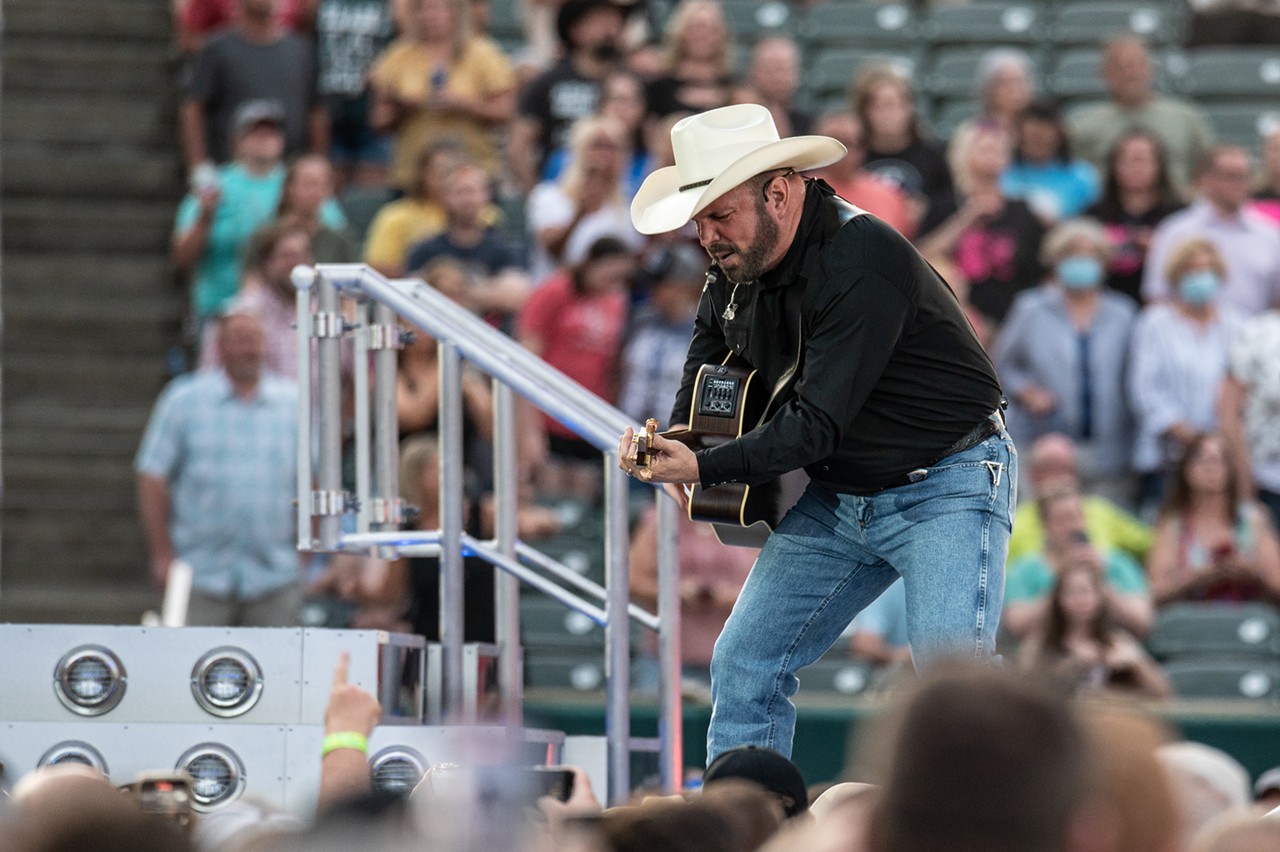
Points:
point(718, 465)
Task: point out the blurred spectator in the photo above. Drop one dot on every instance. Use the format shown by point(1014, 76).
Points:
point(1137, 195)
point(1207, 781)
point(575, 322)
point(1004, 86)
point(1061, 357)
point(1031, 577)
point(440, 81)
point(854, 183)
point(1211, 545)
point(968, 724)
point(67, 807)
point(1177, 361)
point(216, 482)
point(654, 354)
point(1220, 214)
point(1044, 173)
point(1132, 794)
point(1052, 464)
point(1266, 790)
point(992, 240)
point(499, 285)
point(252, 60)
point(772, 79)
point(305, 200)
point(1129, 76)
point(590, 33)
point(349, 35)
point(896, 146)
point(1266, 196)
point(225, 207)
point(711, 575)
point(585, 204)
point(878, 634)
point(622, 98)
point(418, 381)
point(419, 216)
point(765, 767)
point(269, 294)
point(1077, 643)
point(350, 716)
point(1250, 408)
point(420, 575)
point(197, 20)
point(1239, 832)
point(697, 62)
point(216, 221)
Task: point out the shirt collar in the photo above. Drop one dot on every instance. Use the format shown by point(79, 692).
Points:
point(1215, 217)
point(227, 392)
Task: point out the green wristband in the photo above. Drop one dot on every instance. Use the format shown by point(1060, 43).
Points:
point(344, 739)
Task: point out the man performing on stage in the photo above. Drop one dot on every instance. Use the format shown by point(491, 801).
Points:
point(881, 393)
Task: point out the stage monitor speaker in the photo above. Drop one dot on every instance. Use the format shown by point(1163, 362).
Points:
point(124, 674)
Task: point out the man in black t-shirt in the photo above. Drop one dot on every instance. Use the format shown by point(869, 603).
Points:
point(500, 283)
point(880, 393)
point(590, 34)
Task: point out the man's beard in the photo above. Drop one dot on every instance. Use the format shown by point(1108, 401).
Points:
point(754, 258)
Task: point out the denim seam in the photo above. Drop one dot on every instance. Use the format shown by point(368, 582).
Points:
point(786, 658)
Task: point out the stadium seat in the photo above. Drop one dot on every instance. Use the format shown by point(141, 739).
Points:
point(1200, 629)
point(749, 20)
point(1075, 73)
point(1243, 123)
point(1233, 72)
point(840, 22)
point(830, 73)
point(948, 115)
point(844, 677)
point(547, 623)
point(990, 23)
point(579, 672)
point(1225, 678)
point(1092, 23)
point(361, 204)
point(954, 72)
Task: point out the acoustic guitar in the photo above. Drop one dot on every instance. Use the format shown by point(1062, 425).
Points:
point(728, 400)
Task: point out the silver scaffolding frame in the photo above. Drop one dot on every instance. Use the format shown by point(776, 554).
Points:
point(376, 303)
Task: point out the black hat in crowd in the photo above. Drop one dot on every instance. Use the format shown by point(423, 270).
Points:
point(765, 767)
point(572, 11)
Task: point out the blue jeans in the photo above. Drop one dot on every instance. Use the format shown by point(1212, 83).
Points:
point(946, 535)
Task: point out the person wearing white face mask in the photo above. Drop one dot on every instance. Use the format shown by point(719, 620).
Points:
point(1061, 356)
point(1177, 361)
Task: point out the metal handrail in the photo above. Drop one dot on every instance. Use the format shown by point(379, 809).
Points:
point(461, 334)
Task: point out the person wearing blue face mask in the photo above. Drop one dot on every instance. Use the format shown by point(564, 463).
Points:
point(1061, 357)
point(1178, 359)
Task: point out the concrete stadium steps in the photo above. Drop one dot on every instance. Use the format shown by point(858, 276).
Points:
point(39, 63)
point(89, 225)
point(144, 21)
point(127, 172)
point(95, 122)
point(91, 179)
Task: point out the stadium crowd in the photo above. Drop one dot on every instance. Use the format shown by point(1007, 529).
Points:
point(1121, 267)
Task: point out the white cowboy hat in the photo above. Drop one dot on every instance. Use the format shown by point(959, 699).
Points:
point(716, 151)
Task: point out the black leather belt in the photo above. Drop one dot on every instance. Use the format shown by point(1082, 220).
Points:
point(993, 423)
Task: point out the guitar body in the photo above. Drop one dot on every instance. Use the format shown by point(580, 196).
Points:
point(728, 400)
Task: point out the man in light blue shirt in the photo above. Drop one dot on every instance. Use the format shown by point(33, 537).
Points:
point(1248, 242)
point(216, 479)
